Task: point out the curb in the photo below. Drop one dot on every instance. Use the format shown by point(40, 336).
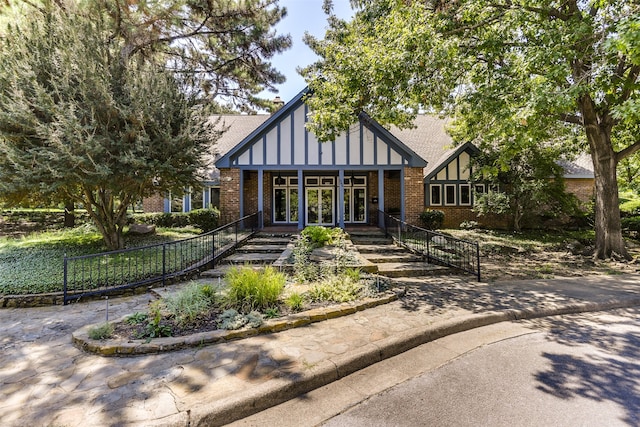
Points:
point(280, 390)
point(81, 340)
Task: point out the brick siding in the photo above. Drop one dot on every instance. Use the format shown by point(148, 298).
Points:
point(229, 195)
point(153, 203)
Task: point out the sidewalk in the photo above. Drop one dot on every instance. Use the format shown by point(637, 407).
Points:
point(44, 380)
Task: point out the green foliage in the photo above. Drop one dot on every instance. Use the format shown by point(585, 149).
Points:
point(271, 313)
point(498, 68)
point(103, 116)
point(204, 219)
point(432, 219)
point(294, 301)
point(190, 303)
point(230, 319)
point(249, 289)
point(167, 220)
point(319, 236)
point(155, 328)
point(531, 181)
point(631, 223)
point(101, 332)
point(629, 203)
point(34, 264)
point(136, 318)
point(337, 289)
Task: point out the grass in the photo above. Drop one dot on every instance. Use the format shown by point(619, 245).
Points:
point(250, 289)
point(492, 241)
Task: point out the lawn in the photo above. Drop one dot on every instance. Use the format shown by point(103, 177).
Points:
point(543, 254)
point(34, 263)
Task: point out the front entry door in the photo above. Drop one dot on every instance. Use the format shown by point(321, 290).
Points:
point(320, 206)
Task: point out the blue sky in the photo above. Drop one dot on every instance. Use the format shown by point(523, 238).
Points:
point(302, 15)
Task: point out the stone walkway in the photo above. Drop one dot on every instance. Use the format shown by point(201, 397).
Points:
point(45, 380)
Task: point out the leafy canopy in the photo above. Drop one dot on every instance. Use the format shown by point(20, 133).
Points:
point(512, 73)
point(105, 103)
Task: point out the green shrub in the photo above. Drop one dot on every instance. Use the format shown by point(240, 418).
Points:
point(631, 223)
point(319, 236)
point(204, 219)
point(295, 301)
point(190, 303)
point(102, 332)
point(155, 328)
point(432, 219)
point(249, 289)
point(172, 220)
point(631, 207)
point(336, 289)
point(136, 318)
point(231, 319)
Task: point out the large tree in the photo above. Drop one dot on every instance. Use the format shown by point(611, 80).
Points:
point(562, 71)
point(106, 103)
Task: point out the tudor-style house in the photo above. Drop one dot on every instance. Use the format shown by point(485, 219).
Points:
point(275, 165)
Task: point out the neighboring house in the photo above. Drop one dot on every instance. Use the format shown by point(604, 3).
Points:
point(274, 165)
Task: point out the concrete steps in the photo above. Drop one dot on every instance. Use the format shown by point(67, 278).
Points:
point(392, 257)
point(392, 260)
point(376, 250)
point(410, 269)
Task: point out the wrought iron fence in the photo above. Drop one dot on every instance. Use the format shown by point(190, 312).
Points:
point(103, 273)
point(435, 247)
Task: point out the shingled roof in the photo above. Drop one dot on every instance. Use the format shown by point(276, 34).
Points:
point(428, 138)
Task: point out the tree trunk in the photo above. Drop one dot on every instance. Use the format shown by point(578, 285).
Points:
point(69, 217)
point(609, 241)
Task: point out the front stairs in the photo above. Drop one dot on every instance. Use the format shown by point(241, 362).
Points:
point(392, 260)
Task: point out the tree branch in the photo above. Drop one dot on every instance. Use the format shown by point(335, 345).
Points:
point(571, 118)
point(630, 150)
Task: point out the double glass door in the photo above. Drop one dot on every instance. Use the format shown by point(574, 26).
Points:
point(320, 206)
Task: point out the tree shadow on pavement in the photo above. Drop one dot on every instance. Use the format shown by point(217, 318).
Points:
point(608, 369)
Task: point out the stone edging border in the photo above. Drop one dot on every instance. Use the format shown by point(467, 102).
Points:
point(80, 337)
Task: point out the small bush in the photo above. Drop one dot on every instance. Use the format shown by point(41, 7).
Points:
point(172, 220)
point(294, 302)
point(249, 289)
point(154, 328)
point(190, 303)
point(631, 223)
point(136, 318)
point(231, 319)
point(102, 332)
point(631, 207)
point(432, 219)
point(319, 236)
point(204, 219)
point(336, 289)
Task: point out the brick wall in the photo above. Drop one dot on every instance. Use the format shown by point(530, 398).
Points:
point(454, 215)
point(267, 196)
point(250, 192)
point(582, 188)
point(154, 203)
point(392, 202)
point(229, 195)
point(413, 194)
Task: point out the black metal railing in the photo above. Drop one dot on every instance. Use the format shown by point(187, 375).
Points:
point(435, 247)
point(104, 273)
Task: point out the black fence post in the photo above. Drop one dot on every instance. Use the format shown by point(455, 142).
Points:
point(64, 281)
point(164, 264)
point(478, 259)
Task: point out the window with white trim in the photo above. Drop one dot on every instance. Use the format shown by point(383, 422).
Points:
point(450, 194)
point(435, 192)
